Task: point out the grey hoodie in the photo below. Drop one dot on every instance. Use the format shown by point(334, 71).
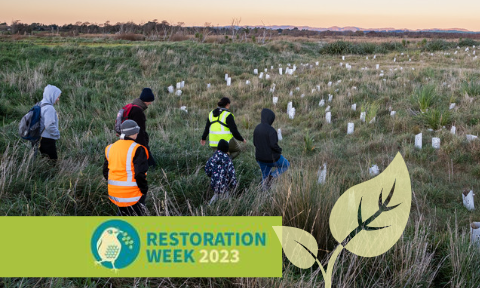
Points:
point(49, 119)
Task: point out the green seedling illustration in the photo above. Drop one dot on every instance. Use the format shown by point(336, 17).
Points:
point(364, 220)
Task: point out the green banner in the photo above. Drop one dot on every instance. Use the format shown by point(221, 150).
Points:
point(140, 247)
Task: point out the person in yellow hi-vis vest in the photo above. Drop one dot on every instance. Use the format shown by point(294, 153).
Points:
point(125, 169)
point(221, 125)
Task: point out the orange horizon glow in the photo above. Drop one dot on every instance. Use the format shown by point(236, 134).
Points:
point(409, 14)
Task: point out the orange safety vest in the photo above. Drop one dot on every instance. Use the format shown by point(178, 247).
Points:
point(122, 186)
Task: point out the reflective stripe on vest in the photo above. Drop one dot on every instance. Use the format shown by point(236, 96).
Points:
point(122, 186)
point(108, 150)
point(123, 200)
point(217, 130)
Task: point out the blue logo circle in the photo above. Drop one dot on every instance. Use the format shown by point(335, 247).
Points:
point(115, 244)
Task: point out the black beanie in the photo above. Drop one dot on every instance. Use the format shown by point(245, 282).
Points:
point(223, 146)
point(147, 95)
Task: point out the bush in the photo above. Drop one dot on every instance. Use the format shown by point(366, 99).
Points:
point(471, 88)
point(437, 45)
point(425, 96)
point(467, 42)
point(435, 119)
point(339, 47)
point(343, 47)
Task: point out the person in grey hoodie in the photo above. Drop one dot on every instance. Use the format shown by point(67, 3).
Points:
point(49, 122)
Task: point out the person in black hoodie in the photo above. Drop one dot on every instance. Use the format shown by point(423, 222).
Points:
point(267, 152)
point(221, 125)
point(137, 114)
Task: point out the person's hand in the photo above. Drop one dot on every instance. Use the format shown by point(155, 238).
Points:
point(202, 142)
point(245, 141)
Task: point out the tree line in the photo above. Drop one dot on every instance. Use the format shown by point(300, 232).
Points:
point(166, 31)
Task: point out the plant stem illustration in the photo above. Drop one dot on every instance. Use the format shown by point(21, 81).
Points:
point(347, 224)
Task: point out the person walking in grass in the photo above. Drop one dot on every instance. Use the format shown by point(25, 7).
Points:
point(221, 125)
point(125, 168)
point(267, 152)
point(221, 170)
point(137, 114)
point(49, 122)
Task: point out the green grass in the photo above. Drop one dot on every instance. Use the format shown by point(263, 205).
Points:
point(98, 77)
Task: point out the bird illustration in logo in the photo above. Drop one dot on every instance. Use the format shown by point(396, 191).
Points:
point(109, 247)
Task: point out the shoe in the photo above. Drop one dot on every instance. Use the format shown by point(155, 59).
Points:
point(268, 182)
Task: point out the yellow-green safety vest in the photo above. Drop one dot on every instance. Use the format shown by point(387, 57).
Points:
point(218, 128)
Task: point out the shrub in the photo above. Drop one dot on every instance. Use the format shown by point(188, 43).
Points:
point(338, 47)
point(467, 42)
point(435, 119)
point(425, 96)
point(437, 45)
point(471, 88)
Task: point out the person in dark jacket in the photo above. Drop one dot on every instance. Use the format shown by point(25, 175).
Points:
point(137, 114)
point(267, 152)
point(128, 195)
point(221, 170)
point(221, 125)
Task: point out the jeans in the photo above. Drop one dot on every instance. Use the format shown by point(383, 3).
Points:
point(282, 165)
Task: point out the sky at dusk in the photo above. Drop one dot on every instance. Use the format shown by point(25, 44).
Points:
point(410, 14)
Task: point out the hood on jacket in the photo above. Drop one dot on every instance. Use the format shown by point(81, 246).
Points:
point(51, 94)
point(220, 157)
point(267, 116)
point(218, 111)
point(140, 103)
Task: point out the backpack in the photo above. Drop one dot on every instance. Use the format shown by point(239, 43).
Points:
point(29, 127)
point(122, 115)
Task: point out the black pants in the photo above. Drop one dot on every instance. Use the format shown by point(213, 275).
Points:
point(135, 210)
point(49, 148)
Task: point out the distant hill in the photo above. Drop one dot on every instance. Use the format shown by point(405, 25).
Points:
point(352, 28)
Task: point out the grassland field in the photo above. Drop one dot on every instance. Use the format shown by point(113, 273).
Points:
point(98, 76)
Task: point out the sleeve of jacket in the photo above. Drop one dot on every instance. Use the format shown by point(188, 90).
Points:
point(140, 164)
point(273, 141)
point(105, 169)
point(50, 122)
point(208, 167)
point(231, 174)
point(233, 127)
point(206, 130)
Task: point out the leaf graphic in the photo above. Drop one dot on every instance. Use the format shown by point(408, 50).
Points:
point(299, 246)
point(369, 218)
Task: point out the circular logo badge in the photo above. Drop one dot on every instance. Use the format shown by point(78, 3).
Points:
point(115, 244)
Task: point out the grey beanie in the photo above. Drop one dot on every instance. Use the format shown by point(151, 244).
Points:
point(129, 127)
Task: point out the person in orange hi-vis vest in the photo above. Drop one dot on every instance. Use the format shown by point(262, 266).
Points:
point(125, 169)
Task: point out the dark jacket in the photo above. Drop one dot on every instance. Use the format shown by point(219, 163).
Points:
point(230, 123)
point(137, 114)
point(140, 165)
point(265, 139)
point(220, 168)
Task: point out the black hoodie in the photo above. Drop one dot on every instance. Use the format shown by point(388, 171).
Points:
point(265, 139)
point(137, 114)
